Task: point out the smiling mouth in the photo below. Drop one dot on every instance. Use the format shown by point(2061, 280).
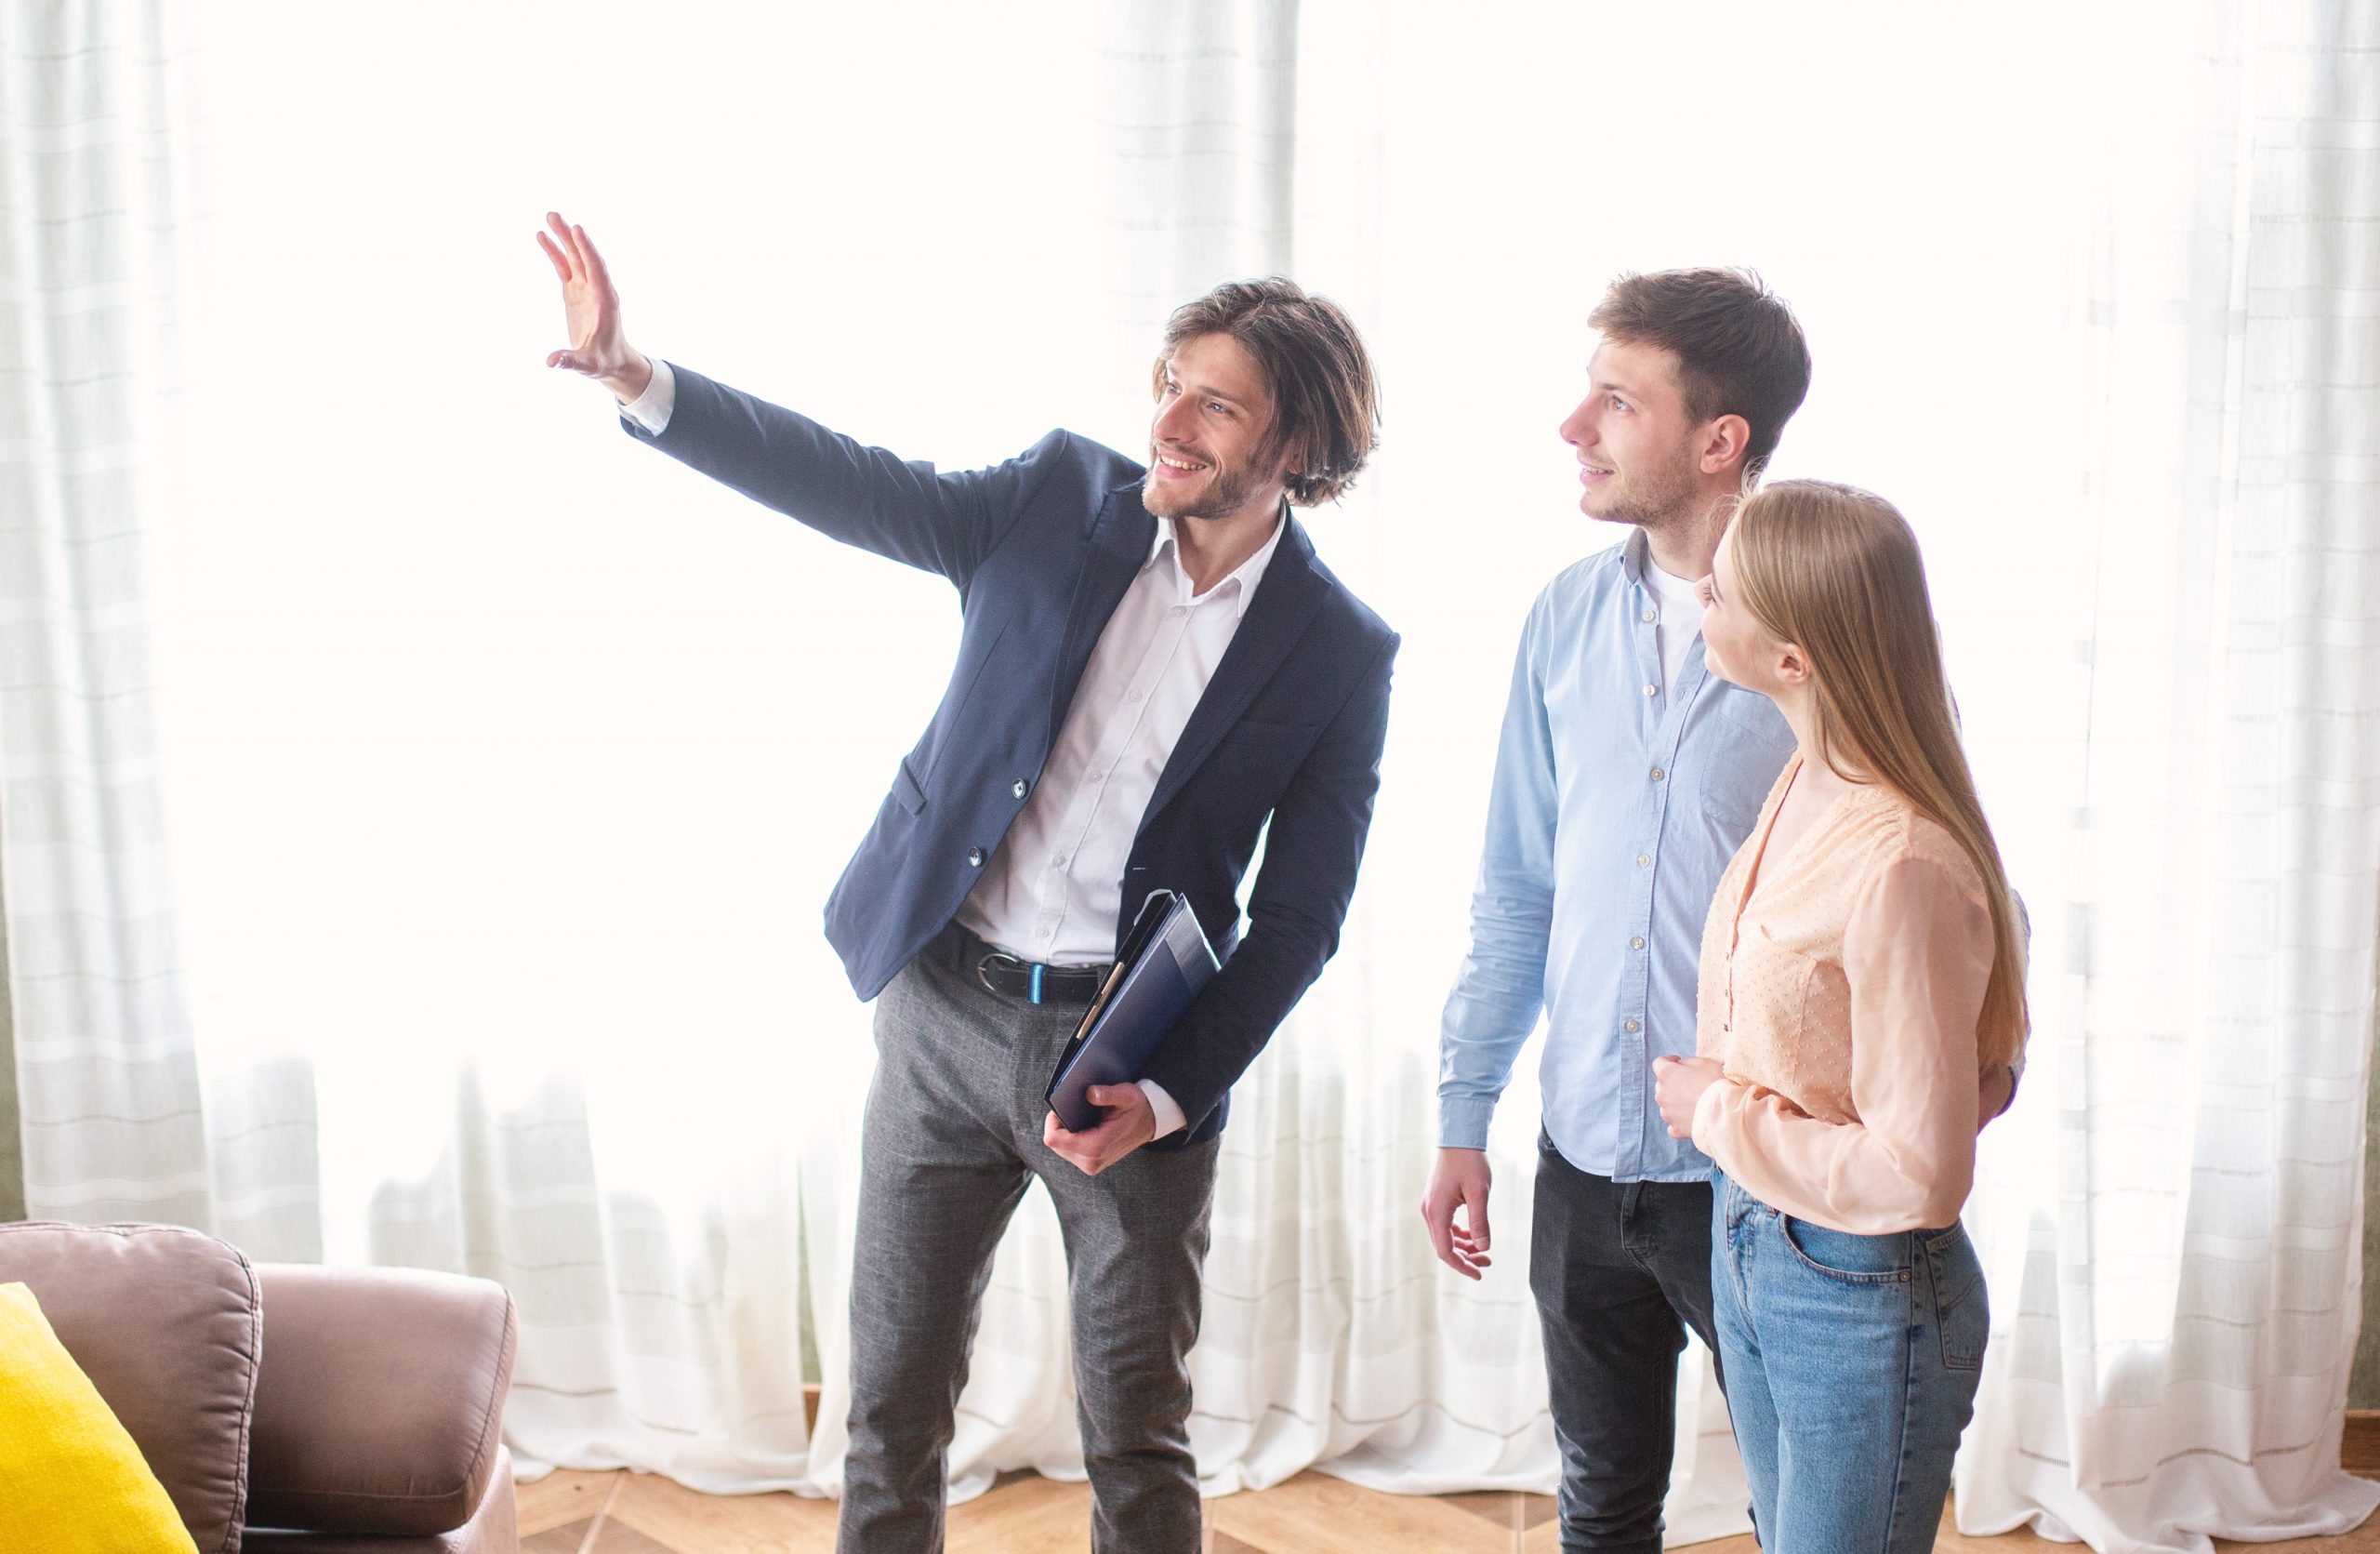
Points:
point(1177, 466)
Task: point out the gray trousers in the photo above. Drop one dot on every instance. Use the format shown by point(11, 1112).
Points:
point(952, 1137)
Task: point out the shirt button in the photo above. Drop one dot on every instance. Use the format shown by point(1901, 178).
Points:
point(1636, 943)
point(1632, 1027)
point(1659, 773)
point(1648, 618)
point(1652, 690)
point(1019, 789)
point(1135, 697)
point(1644, 860)
point(974, 857)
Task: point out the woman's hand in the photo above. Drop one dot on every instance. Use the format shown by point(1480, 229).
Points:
point(1678, 1083)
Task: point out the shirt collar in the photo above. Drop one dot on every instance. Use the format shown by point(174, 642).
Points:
point(1635, 555)
point(1243, 578)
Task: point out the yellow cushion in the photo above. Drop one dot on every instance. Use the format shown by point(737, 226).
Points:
point(71, 1479)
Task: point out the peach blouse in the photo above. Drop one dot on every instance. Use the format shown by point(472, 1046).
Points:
point(1841, 984)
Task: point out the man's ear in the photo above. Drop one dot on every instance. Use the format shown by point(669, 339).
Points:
point(1726, 441)
point(1298, 458)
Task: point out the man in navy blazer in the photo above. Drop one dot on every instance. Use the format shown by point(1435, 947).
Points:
point(1153, 665)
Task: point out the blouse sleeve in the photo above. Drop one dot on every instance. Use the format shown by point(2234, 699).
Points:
point(1917, 952)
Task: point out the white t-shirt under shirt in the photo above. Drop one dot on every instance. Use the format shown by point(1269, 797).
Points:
point(1680, 622)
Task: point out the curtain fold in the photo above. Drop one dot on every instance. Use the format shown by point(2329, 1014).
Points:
point(92, 223)
point(2178, 1313)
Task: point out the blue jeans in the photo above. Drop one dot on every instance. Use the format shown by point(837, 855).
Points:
point(1851, 1363)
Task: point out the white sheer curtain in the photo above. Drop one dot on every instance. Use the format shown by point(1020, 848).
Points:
point(2175, 1222)
point(92, 225)
point(514, 764)
point(506, 765)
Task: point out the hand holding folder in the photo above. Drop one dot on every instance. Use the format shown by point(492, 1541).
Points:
point(1165, 960)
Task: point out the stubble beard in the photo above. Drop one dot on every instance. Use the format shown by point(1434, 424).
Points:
point(1662, 500)
point(1226, 492)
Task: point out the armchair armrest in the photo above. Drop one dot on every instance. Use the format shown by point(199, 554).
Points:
point(379, 1398)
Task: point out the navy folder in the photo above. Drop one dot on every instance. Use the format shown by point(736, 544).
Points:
point(1165, 960)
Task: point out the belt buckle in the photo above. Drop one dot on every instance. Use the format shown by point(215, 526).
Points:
point(984, 968)
point(983, 974)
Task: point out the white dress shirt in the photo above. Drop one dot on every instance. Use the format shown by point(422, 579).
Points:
point(1053, 890)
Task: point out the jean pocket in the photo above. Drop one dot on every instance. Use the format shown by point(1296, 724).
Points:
point(1962, 1306)
point(1847, 1258)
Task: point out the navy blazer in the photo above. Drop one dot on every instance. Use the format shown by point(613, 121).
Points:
point(1041, 549)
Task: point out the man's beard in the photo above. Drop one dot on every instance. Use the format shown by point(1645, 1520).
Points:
point(1226, 492)
point(1657, 499)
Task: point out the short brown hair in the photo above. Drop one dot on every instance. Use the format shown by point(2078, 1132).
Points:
point(1326, 403)
point(1739, 349)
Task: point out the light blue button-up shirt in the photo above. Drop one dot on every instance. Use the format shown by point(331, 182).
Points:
point(1613, 814)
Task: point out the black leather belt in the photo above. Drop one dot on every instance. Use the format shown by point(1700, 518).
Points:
point(1003, 973)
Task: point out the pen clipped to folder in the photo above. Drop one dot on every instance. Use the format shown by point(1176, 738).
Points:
point(1166, 959)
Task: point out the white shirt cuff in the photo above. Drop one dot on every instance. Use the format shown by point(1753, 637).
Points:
point(651, 409)
point(1169, 1115)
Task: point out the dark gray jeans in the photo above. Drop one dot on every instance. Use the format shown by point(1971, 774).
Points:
point(1620, 1270)
point(951, 1138)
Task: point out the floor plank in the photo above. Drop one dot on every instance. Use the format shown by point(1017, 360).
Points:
point(629, 1513)
point(1316, 1514)
point(618, 1537)
point(568, 1538)
point(678, 1518)
point(562, 1498)
point(1022, 1514)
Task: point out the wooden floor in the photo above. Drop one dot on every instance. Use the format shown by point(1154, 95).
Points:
point(628, 1513)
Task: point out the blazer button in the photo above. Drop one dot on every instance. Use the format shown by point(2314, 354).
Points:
point(1019, 789)
point(974, 857)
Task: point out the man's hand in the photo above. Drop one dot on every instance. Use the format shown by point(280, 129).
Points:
point(1459, 1181)
point(1678, 1083)
point(1129, 1123)
point(593, 310)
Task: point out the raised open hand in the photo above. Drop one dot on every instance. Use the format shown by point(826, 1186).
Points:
point(597, 349)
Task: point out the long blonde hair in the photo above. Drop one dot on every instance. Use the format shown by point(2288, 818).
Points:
point(1836, 570)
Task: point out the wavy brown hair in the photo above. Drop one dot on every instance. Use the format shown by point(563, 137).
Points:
point(1326, 401)
point(1836, 571)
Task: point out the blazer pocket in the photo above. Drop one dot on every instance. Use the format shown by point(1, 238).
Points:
point(908, 792)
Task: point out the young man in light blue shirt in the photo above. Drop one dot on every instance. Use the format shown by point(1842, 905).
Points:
point(1626, 778)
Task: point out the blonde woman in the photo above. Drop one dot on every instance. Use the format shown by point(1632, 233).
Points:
point(1862, 981)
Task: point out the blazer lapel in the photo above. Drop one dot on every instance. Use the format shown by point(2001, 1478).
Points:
point(1119, 544)
point(1277, 617)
